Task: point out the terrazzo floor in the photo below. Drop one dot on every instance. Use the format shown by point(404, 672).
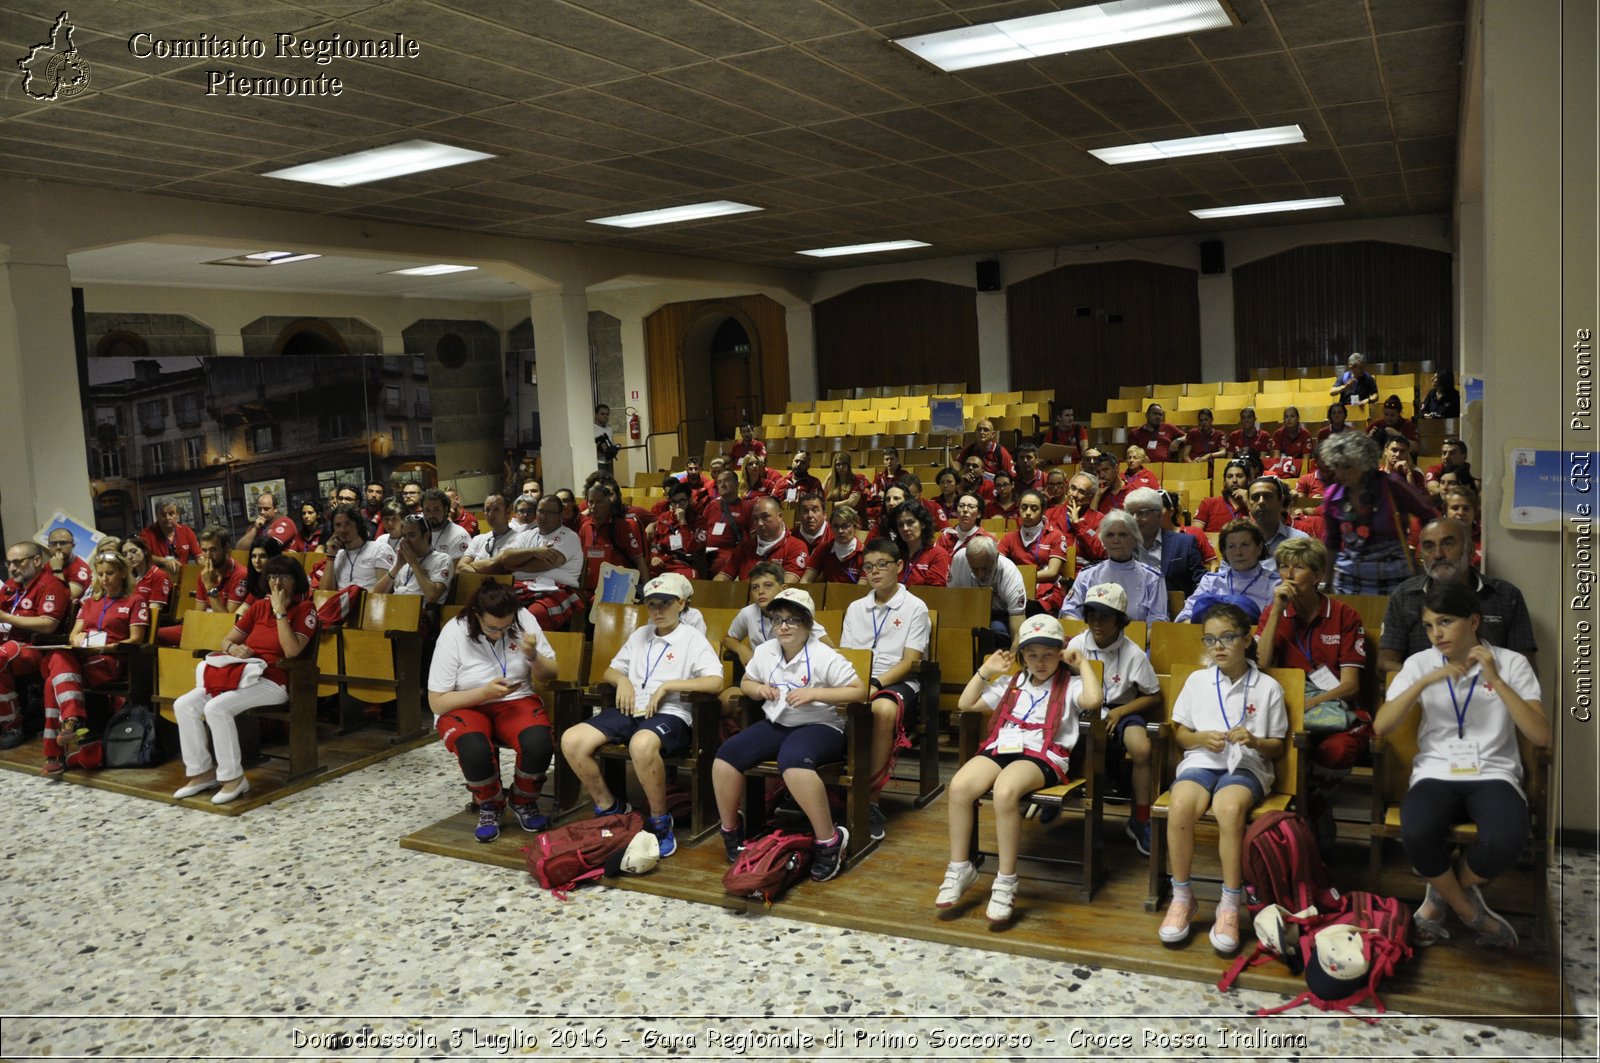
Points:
point(302, 931)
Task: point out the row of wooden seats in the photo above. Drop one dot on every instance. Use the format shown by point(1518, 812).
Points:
point(1423, 366)
point(919, 392)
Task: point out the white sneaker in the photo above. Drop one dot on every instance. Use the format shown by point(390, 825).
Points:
point(1000, 900)
point(957, 880)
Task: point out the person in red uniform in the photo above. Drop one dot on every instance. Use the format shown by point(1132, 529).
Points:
point(112, 614)
point(274, 525)
point(1203, 442)
point(1004, 502)
point(71, 569)
point(975, 479)
point(1396, 460)
point(1078, 520)
point(677, 541)
point(221, 587)
point(171, 544)
point(811, 525)
point(312, 526)
point(1454, 452)
point(892, 471)
point(722, 518)
point(799, 480)
point(758, 479)
point(1291, 440)
point(1337, 416)
point(942, 506)
point(838, 559)
point(1037, 542)
point(458, 513)
point(845, 486)
point(768, 540)
point(989, 451)
point(279, 626)
point(1393, 420)
point(1158, 438)
point(892, 499)
point(609, 532)
point(1232, 504)
point(34, 603)
point(1067, 432)
point(747, 444)
point(1029, 476)
point(150, 580)
point(967, 525)
point(1248, 437)
point(927, 564)
point(1136, 471)
point(1112, 490)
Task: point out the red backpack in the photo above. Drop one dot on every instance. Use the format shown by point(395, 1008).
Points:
point(1282, 865)
point(769, 865)
point(566, 857)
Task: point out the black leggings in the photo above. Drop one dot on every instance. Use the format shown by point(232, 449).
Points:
point(478, 760)
point(1432, 806)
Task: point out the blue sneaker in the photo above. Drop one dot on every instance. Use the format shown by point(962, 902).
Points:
point(1140, 833)
point(621, 808)
point(488, 820)
point(661, 827)
point(529, 816)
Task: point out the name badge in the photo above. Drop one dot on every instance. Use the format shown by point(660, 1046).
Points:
point(1461, 754)
point(718, 528)
point(597, 553)
point(94, 639)
point(788, 496)
point(1009, 742)
point(675, 541)
point(1323, 678)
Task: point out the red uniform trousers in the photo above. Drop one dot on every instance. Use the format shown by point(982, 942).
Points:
point(502, 723)
point(16, 658)
point(64, 675)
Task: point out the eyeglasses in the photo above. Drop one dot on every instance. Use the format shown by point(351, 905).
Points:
point(787, 621)
point(877, 566)
point(17, 562)
point(1211, 642)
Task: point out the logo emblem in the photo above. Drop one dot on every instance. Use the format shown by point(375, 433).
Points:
point(53, 69)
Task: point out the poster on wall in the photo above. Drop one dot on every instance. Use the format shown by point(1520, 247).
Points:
point(1546, 486)
point(83, 533)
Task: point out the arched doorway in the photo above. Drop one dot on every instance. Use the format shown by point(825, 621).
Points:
point(732, 396)
point(309, 335)
point(721, 373)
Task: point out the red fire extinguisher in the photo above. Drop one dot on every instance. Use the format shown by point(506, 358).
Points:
point(633, 424)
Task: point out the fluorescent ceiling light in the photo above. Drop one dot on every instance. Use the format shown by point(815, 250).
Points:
point(1172, 149)
point(667, 215)
point(862, 249)
point(1269, 208)
point(1056, 32)
point(378, 164)
point(261, 259)
point(430, 271)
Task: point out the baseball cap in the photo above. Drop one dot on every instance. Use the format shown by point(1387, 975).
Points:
point(641, 855)
point(668, 585)
point(1338, 966)
point(1041, 631)
point(795, 597)
point(1108, 596)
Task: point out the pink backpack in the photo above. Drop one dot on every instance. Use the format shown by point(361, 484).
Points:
point(564, 858)
point(1282, 865)
point(769, 865)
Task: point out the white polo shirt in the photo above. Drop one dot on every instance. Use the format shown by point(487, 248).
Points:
point(1128, 672)
point(362, 566)
point(816, 665)
point(1033, 706)
point(1205, 704)
point(489, 544)
point(752, 625)
point(452, 539)
point(461, 662)
point(566, 574)
point(1485, 720)
point(436, 564)
point(887, 630)
point(648, 660)
point(1005, 583)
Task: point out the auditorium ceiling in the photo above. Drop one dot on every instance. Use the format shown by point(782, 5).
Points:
point(800, 107)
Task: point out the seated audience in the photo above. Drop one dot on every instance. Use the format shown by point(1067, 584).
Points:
point(1156, 437)
point(357, 561)
point(677, 542)
point(459, 513)
point(170, 544)
point(992, 456)
point(1355, 386)
point(255, 580)
point(1174, 554)
point(220, 587)
point(722, 518)
point(800, 683)
point(611, 533)
point(1004, 503)
point(417, 567)
point(845, 486)
point(1242, 575)
point(1037, 542)
point(1231, 721)
point(545, 561)
point(311, 526)
point(1111, 492)
point(811, 522)
point(768, 540)
point(1442, 399)
point(980, 565)
point(1268, 499)
point(660, 663)
point(920, 561)
point(150, 581)
point(1291, 440)
point(943, 505)
point(448, 538)
point(1078, 519)
point(1249, 438)
point(71, 569)
point(36, 606)
point(244, 675)
point(799, 480)
point(1028, 747)
point(480, 688)
point(1336, 422)
point(1461, 503)
point(967, 526)
point(1454, 453)
point(747, 444)
point(890, 474)
point(1203, 442)
point(1136, 472)
point(887, 504)
point(1065, 431)
point(271, 524)
point(975, 478)
point(1147, 593)
point(1393, 421)
point(1029, 476)
point(837, 559)
point(1467, 765)
point(1363, 515)
point(1396, 458)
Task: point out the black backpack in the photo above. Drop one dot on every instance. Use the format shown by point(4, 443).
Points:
point(131, 740)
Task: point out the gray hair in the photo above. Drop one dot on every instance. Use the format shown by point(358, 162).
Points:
point(1356, 358)
point(1140, 498)
point(1349, 449)
point(981, 546)
point(1121, 518)
point(1458, 526)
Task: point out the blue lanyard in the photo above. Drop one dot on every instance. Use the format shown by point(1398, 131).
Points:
point(1461, 708)
point(665, 646)
point(877, 625)
point(1033, 702)
point(761, 618)
point(100, 621)
point(499, 658)
point(1222, 703)
point(1097, 654)
point(1253, 579)
point(1034, 549)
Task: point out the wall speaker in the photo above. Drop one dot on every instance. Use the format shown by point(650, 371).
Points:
point(989, 276)
point(1211, 260)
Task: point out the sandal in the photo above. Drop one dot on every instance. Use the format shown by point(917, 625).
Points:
point(1431, 931)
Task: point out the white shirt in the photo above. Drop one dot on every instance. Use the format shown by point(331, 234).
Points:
point(1033, 706)
point(1486, 722)
point(362, 566)
point(461, 662)
point(887, 630)
point(450, 538)
point(491, 543)
point(1255, 698)
point(1128, 672)
point(436, 565)
point(752, 625)
point(648, 660)
point(564, 539)
point(1010, 593)
point(816, 665)
point(1147, 592)
point(694, 618)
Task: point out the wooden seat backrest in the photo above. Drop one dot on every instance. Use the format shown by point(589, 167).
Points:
point(1030, 577)
point(1175, 647)
point(614, 622)
point(833, 621)
point(837, 595)
point(1370, 606)
point(204, 631)
point(467, 584)
point(569, 654)
point(711, 594)
point(183, 597)
point(391, 612)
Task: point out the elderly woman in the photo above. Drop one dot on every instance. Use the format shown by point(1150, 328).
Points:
point(1364, 513)
point(245, 675)
point(479, 687)
point(1242, 574)
point(111, 613)
point(1146, 591)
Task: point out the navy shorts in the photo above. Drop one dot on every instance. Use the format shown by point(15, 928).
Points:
point(903, 694)
point(1214, 779)
point(809, 746)
point(675, 733)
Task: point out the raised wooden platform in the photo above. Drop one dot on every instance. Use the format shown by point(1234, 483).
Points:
point(338, 754)
point(891, 892)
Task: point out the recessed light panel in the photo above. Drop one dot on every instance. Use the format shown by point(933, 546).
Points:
point(1057, 32)
point(1268, 208)
point(430, 271)
point(862, 249)
point(669, 215)
point(378, 164)
point(1173, 149)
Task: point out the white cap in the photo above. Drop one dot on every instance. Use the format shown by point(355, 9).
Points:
point(668, 584)
point(796, 597)
point(1041, 630)
point(1108, 596)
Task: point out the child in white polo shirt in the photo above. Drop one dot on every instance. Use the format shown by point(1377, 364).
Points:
point(661, 661)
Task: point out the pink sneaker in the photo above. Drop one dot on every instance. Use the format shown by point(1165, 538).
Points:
point(1175, 927)
point(1225, 931)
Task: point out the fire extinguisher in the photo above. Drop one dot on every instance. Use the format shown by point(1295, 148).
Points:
point(633, 424)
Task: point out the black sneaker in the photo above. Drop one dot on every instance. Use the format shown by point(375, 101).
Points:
point(877, 823)
point(12, 737)
point(733, 841)
point(828, 860)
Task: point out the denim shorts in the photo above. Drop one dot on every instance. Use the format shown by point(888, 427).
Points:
point(1214, 779)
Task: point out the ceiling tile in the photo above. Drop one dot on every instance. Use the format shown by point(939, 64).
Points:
point(1304, 22)
point(1313, 164)
point(754, 93)
point(1195, 93)
point(1428, 152)
point(1430, 114)
point(601, 107)
point(888, 12)
point(1254, 35)
point(1358, 123)
point(697, 26)
point(663, 95)
point(1340, 73)
point(1057, 110)
point(1157, 52)
point(890, 67)
point(1264, 169)
point(793, 20)
point(1423, 60)
point(1390, 16)
point(817, 79)
point(870, 137)
point(1366, 159)
point(1263, 82)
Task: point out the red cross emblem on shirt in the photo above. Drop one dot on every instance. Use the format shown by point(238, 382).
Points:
point(669, 657)
point(1249, 710)
point(1116, 679)
point(897, 621)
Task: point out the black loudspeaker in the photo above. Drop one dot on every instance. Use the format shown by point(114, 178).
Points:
point(1211, 260)
point(989, 276)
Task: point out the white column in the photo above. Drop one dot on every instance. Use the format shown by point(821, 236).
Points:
point(802, 355)
point(1217, 353)
point(994, 342)
point(566, 387)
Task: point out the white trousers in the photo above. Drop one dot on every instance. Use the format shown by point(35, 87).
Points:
point(196, 712)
